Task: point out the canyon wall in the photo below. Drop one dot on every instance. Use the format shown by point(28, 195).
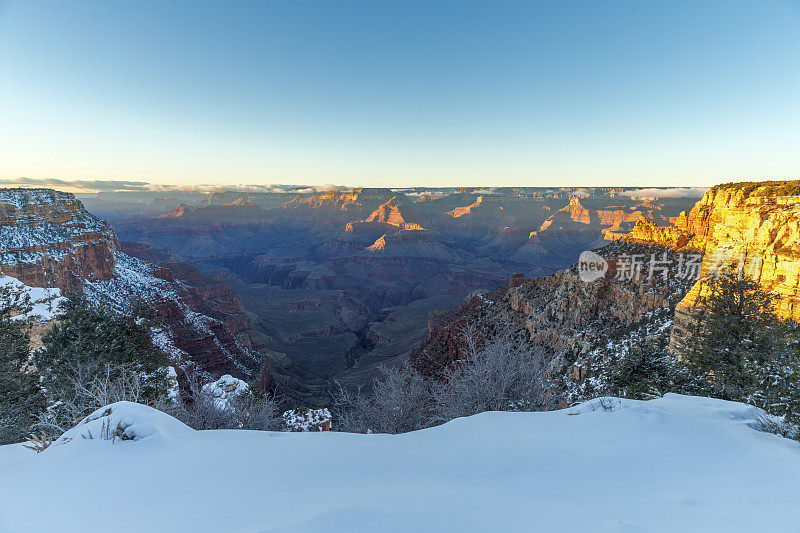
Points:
point(749, 227)
point(585, 327)
point(47, 239)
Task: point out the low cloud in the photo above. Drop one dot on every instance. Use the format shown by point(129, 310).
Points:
point(89, 185)
point(321, 188)
point(674, 192)
point(417, 194)
point(144, 186)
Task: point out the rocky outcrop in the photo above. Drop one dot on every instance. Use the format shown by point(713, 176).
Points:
point(414, 243)
point(648, 231)
point(394, 214)
point(179, 211)
point(749, 227)
point(459, 212)
point(47, 239)
point(567, 316)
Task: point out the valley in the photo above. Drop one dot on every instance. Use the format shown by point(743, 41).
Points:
point(336, 283)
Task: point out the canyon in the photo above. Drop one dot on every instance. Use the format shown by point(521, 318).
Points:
point(302, 289)
point(750, 229)
point(338, 282)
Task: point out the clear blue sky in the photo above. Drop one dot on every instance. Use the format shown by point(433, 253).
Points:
point(401, 93)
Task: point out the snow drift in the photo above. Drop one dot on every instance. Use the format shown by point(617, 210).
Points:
point(125, 421)
point(674, 464)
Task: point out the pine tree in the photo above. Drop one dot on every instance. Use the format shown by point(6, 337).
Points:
point(88, 342)
point(21, 399)
point(735, 332)
point(777, 377)
point(642, 373)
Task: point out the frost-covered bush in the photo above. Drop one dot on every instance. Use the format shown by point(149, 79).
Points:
point(778, 426)
point(91, 387)
point(304, 419)
point(401, 400)
point(500, 374)
point(216, 406)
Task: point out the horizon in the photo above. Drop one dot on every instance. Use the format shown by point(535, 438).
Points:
point(88, 188)
point(414, 94)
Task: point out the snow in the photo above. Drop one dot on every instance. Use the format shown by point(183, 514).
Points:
point(12, 454)
point(132, 281)
point(125, 421)
point(36, 303)
point(21, 198)
point(224, 389)
point(677, 463)
point(31, 209)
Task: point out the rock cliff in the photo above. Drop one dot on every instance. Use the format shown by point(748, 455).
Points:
point(574, 320)
point(47, 239)
point(752, 227)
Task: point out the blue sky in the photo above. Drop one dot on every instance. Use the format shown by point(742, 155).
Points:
point(401, 93)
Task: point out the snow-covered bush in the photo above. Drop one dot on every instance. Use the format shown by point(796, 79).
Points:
point(26, 302)
point(228, 403)
point(224, 389)
point(124, 421)
point(304, 419)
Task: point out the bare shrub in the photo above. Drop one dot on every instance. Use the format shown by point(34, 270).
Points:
point(502, 374)
point(257, 412)
point(203, 410)
point(777, 426)
point(38, 442)
point(400, 400)
point(92, 387)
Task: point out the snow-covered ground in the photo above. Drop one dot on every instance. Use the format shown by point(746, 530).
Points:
point(37, 303)
point(673, 464)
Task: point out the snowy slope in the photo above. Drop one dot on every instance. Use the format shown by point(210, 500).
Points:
point(673, 464)
point(36, 303)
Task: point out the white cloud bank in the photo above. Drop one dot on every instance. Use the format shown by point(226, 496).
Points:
point(144, 186)
point(674, 192)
